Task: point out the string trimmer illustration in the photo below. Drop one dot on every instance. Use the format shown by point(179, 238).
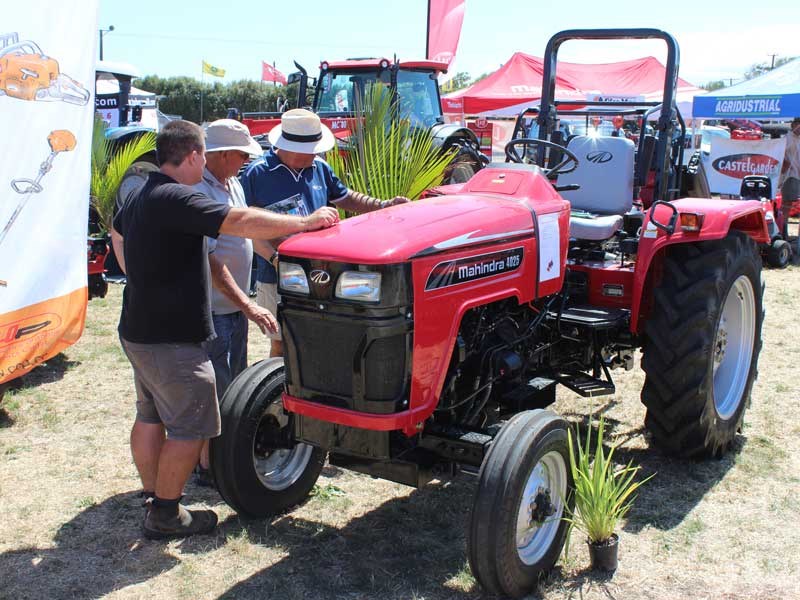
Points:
point(27, 73)
point(60, 140)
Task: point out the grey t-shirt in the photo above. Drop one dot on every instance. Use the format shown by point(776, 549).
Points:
point(235, 252)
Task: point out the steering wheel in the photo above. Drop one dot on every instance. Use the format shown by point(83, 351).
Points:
point(568, 163)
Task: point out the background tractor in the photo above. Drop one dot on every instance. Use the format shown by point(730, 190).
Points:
point(412, 85)
point(428, 339)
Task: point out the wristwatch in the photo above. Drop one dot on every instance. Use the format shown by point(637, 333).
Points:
point(273, 258)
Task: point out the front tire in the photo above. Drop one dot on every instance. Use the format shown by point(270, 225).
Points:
point(700, 354)
point(258, 469)
point(779, 253)
point(516, 530)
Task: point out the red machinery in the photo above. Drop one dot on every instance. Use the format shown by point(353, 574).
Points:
point(428, 338)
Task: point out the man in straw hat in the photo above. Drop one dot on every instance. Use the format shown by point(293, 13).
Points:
point(290, 178)
point(228, 147)
point(166, 318)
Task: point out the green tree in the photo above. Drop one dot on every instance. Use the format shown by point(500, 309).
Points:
point(764, 67)
point(181, 96)
point(713, 85)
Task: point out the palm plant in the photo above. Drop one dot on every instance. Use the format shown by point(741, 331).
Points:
point(109, 165)
point(386, 155)
point(603, 495)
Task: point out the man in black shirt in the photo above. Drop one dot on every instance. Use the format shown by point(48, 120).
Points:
point(166, 316)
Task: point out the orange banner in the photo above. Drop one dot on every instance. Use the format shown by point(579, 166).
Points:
point(31, 335)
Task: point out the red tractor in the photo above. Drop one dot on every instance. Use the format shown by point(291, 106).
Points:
point(428, 339)
point(413, 85)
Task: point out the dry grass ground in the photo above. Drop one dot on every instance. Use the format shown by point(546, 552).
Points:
point(717, 529)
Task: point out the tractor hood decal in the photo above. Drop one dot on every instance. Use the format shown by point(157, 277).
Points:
point(740, 165)
point(471, 268)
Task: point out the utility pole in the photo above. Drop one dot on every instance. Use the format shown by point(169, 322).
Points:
point(102, 31)
point(772, 66)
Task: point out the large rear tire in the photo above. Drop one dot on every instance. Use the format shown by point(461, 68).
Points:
point(258, 470)
point(702, 342)
point(516, 530)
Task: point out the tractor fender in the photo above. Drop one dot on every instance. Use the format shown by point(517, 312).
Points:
point(447, 134)
point(720, 217)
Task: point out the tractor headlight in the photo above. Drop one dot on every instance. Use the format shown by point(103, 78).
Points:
point(292, 278)
point(364, 286)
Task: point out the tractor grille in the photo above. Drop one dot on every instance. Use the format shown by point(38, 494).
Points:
point(346, 354)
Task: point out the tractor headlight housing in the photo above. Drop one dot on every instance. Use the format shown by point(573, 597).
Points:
point(292, 278)
point(363, 286)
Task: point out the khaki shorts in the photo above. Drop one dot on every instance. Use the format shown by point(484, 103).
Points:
point(267, 296)
point(175, 386)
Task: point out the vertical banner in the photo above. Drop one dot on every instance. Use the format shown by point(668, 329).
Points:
point(729, 161)
point(483, 131)
point(46, 117)
point(444, 28)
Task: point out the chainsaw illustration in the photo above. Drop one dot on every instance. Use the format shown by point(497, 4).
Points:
point(27, 73)
point(60, 140)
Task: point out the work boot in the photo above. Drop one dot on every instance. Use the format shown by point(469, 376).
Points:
point(169, 519)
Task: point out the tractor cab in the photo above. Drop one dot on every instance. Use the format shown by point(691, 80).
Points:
point(341, 85)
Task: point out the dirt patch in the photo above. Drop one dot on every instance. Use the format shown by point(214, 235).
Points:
point(68, 491)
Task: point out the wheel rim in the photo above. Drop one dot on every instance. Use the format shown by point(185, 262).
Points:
point(537, 521)
point(277, 468)
point(733, 347)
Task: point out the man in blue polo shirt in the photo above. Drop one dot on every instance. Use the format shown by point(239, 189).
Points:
point(291, 179)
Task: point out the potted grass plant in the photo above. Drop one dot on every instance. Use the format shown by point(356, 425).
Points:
point(603, 495)
point(386, 156)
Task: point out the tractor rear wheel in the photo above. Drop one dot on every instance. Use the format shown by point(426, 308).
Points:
point(258, 469)
point(702, 342)
point(516, 529)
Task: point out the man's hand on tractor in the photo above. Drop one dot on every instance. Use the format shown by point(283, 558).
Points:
point(394, 201)
point(262, 317)
point(321, 218)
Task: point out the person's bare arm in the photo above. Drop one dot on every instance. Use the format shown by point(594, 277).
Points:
point(360, 203)
point(118, 245)
point(257, 223)
point(222, 279)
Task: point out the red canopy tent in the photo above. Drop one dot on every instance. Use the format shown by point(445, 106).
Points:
point(518, 84)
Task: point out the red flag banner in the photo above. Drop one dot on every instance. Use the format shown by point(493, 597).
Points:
point(444, 28)
point(270, 73)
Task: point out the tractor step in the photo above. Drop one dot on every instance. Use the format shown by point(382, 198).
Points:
point(586, 385)
point(593, 317)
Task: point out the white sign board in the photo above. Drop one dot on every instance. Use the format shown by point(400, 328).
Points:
point(729, 161)
point(46, 115)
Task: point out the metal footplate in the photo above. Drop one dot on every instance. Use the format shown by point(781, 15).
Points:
point(586, 385)
point(592, 317)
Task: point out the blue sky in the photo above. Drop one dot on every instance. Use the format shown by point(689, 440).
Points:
point(718, 40)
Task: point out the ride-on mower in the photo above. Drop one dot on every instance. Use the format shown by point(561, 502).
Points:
point(427, 339)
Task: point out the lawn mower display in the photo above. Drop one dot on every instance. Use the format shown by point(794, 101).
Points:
point(428, 339)
point(777, 251)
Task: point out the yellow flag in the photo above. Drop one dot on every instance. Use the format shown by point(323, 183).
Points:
point(212, 70)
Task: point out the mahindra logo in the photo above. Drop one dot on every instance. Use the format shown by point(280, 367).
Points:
point(320, 277)
point(599, 157)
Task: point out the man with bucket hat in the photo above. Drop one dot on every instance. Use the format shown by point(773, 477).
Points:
point(230, 258)
point(291, 179)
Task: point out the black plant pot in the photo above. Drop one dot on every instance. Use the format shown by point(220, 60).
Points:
point(603, 555)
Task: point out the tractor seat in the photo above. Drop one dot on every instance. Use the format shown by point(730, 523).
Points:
point(595, 228)
point(605, 176)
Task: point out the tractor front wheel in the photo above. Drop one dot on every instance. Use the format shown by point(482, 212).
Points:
point(258, 468)
point(702, 342)
point(779, 253)
point(516, 529)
